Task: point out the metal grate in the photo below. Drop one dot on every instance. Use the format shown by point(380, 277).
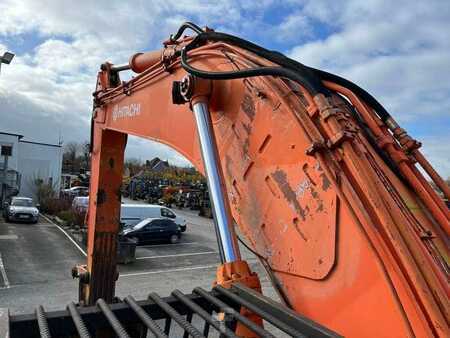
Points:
point(200, 314)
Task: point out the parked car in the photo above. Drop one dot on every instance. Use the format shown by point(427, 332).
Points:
point(21, 209)
point(80, 204)
point(153, 229)
point(75, 191)
point(131, 214)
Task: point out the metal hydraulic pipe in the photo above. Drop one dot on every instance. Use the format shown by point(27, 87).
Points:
point(119, 68)
point(223, 220)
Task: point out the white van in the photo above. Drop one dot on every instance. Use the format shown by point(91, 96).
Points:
point(130, 214)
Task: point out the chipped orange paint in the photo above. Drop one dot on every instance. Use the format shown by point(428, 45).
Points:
point(333, 223)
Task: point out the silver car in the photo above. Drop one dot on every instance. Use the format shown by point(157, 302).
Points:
point(80, 204)
point(21, 209)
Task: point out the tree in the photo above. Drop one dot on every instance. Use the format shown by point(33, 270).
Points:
point(76, 157)
point(134, 166)
point(86, 155)
point(43, 190)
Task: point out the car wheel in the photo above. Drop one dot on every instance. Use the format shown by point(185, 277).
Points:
point(174, 238)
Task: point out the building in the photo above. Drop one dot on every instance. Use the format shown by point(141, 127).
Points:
point(157, 164)
point(29, 162)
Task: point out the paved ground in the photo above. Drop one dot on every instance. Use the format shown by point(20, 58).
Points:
point(36, 262)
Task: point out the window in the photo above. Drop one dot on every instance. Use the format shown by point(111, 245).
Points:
point(6, 150)
point(148, 227)
point(157, 223)
point(22, 202)
point(167, 223)
point(131, 218)
point(167, 213)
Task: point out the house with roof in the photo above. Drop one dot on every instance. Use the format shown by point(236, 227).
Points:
point(156, 164)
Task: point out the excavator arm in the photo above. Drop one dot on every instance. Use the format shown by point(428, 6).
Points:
point(321, 182)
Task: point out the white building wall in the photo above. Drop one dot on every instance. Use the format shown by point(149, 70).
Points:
point(8, 140)
point(39, 161)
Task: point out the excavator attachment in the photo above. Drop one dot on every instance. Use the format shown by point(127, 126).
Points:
point(325, 188)
point(196, 315)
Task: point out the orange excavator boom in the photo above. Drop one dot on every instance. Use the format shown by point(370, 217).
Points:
point(321, 181)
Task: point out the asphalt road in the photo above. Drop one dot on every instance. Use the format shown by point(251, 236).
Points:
point(35, 263)
point(36, 260)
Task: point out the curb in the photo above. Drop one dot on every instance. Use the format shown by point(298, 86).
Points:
point(74, 242)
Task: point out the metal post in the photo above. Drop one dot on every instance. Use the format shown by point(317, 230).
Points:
point(103, 217)
point(223, 220)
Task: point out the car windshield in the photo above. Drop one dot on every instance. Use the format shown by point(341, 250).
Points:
point(140, 225)
point(22, 203)
point(83, 201)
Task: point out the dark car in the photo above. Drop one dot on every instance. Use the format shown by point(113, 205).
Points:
point(21, 209)
point(154, 229)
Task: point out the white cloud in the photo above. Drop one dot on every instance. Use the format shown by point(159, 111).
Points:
point(295, 26)
point(48, 89)
point(436, 148)
point(397, 50)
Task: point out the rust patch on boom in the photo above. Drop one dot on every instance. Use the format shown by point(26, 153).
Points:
point(281, 178)
point(248, 106)
point(325, 182)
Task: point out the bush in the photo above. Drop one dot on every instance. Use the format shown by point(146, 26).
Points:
point(46, 196)
point(72, 218)
point(54, 205)
point(68, 216)
point(168, 200)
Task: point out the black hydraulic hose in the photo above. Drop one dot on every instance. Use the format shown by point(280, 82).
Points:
point(251, 72)
point(185, 26)
point(369, 99)
point(309, 78)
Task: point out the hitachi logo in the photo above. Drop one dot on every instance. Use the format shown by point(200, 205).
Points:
point(131, 110)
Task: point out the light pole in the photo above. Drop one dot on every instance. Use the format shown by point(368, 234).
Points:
point(6, 59)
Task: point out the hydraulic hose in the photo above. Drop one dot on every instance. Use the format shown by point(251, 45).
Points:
point(364, 95)
point(311, 78)
point(308, 78)
point(251, 72)
point(185, 26)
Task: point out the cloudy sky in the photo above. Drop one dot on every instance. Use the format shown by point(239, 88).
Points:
point(398, 50)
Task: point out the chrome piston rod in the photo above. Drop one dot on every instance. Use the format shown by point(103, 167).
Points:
point(223, 220)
